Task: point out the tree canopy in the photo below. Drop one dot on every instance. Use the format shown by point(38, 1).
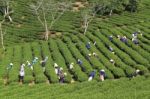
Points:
point(107, 7)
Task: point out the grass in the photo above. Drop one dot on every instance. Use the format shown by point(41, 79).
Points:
point(109, 89)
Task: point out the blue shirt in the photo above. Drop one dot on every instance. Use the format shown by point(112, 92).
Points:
point(123, 39)
point(135, 41)
point(110, 48)
point(110, 38)
point(102, 73)
point(88, 46)
point(135, 33)
point(80, 62)
point(92, 74)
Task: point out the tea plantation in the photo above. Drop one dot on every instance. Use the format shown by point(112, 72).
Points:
point(24, 41)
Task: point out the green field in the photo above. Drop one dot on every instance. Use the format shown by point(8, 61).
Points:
point(137, 88)
point(24, 41)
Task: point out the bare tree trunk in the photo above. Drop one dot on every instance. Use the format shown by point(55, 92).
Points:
point(42, 8)
point(86, 27)
point(2, 36)
point(6, 15)
point(7, 12)
point(10, 19)
point(45, 24)
point(46, 32)
point(110, 12)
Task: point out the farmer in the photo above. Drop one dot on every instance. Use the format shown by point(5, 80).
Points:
point(43, 62)
point(9, 67)
point(88, 56)
point(61, 75)
point(29, 65)
point(79, 62)
point(94, 54)
point(94, 43)
point(112, 61)
point(102, 74)
point(34, 60)
point(88, 46)
point(119, 37)
point(135, 41)
point(124, 39)
point(111, 49)
point(71, 66)
point(57, 68)
point(135, 34)
point(92, 75)
point(110, 37)
point(137, 72)
point(21, 73)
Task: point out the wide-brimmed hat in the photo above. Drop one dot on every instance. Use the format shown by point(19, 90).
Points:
point(23, 64)
point(36, 57)
point(89, 54)
point(55, 65)
point(137, 70)
point(102, 70)
point(111, 60)
point(61, 68)
point(72, 63)
point(11, 63)
point(65, 74)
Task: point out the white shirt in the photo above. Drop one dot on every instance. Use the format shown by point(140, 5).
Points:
point(71, 66)
point(56, 70)
point(22, 73)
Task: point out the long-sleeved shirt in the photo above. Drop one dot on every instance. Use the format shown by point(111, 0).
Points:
point(9, 67)
point(22, 72)
point(79, 62)
point(44, 61)
point(92, 74)
point(34, 61)
point(88, 46)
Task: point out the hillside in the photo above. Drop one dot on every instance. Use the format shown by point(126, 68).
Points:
point(27, 28)
point(67, 44)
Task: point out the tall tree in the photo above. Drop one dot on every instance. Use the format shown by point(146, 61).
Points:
point(6, 14)
point(116, 5)
point(133, 5)
point(6, 9)
point(88, 14)
point(45, 8)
